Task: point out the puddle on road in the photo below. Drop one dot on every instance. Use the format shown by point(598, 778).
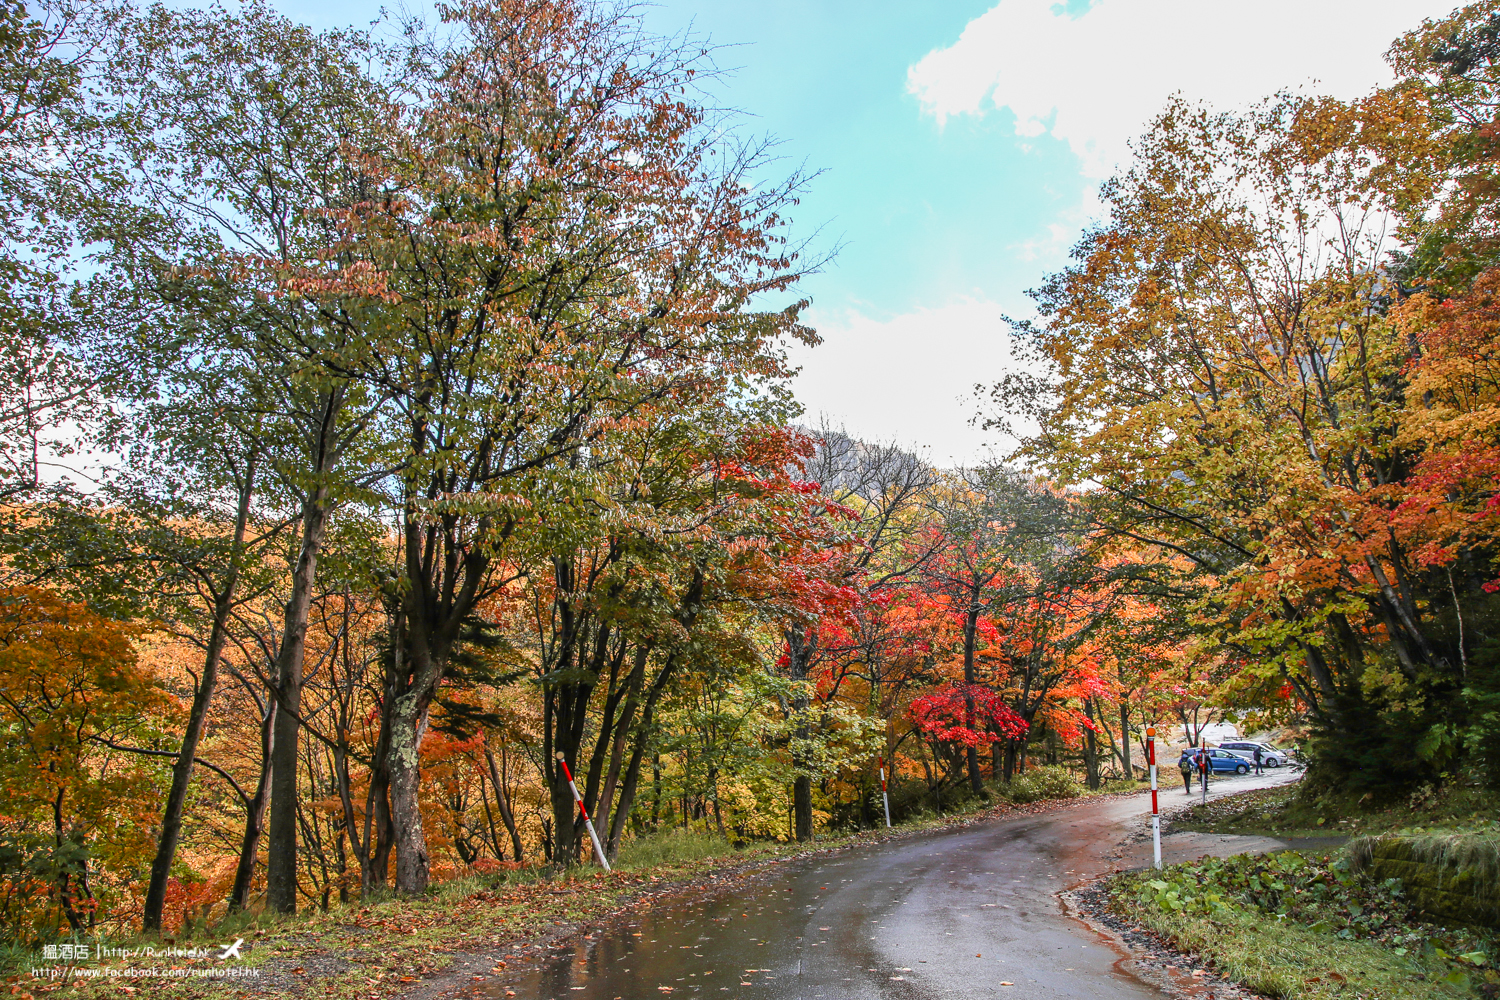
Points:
point(712, 944)
point(860, 925)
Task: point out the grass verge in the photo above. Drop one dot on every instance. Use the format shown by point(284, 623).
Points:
point(1306, 927)
point(1288, 812)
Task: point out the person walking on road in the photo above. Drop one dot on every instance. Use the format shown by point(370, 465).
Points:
point(1185, 765)
point(1257, 760)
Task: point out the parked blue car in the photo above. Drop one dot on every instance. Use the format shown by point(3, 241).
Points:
point(1222, 761)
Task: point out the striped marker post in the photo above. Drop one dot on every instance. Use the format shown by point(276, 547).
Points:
point(1155, 806)
point(586, 821)
point(883, 796)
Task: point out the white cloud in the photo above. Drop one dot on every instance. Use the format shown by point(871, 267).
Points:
point(908, 378)
point(1094, 81)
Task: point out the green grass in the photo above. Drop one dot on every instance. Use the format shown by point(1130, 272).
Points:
point(1294, 962)
point(1289, 811)
point(1297, 926)
point(671, 847)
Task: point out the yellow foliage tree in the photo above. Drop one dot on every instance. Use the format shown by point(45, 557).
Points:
point(75, 811)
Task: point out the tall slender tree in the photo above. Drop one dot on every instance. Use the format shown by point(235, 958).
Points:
point(561, 240)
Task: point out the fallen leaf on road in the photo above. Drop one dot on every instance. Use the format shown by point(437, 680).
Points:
point(1007, 984)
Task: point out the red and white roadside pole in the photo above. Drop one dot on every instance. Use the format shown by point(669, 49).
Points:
point(1155, 806)
point(883, 796)
point(599, 851)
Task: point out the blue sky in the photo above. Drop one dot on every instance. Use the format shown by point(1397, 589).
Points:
point(961, 143)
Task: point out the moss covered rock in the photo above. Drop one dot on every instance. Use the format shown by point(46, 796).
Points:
point(1449, 879)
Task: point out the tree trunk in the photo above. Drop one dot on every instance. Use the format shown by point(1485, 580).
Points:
point(182, 770)
point(379, 833)
point(613, 730)
point(971, 754)
point(363, 843)
point(255, 812)
point(802, 805)
point(489, 819)
point(628, 786)
point(1090, 748)
point(799, 656)
point(643, 734)
point(1125, 738)
point(565, 830)
point(606, 811)
point(408, 726)
point(381, 827)
point(281, 842)
point(502, 799)
point(655, 792)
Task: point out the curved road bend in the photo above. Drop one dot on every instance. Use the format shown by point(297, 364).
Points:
point(954, 913)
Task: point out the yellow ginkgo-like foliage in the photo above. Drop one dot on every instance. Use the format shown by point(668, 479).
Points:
point(75, 809)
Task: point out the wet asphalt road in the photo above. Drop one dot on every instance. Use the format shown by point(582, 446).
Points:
point(958, 913)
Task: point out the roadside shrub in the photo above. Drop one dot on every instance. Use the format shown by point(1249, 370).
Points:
point(1287, 884)
point(1293, 925)
point(1377, 750)
point(671, 847)
point(1042, 783)
point(909, 798)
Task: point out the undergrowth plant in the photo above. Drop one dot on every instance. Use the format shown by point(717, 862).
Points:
point(1229, 909)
